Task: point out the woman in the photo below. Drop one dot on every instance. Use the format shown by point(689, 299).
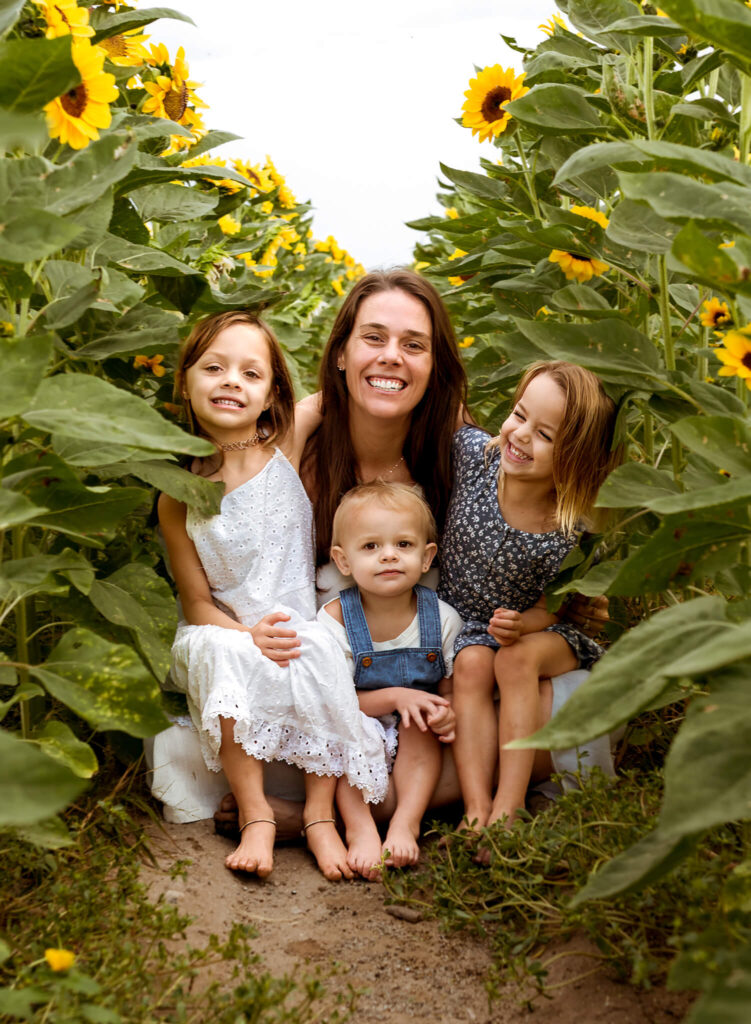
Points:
point(393, 392)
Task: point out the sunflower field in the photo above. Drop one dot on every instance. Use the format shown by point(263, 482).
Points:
point(118, 231)
point(612, 227)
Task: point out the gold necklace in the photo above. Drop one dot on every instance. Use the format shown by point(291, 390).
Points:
point(381, 476)
point(237, 446)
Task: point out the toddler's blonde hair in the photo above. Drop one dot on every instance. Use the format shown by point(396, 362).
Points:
point(398, 497)
point(583, 453)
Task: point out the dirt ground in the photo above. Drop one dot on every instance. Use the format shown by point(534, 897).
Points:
point(409, 971)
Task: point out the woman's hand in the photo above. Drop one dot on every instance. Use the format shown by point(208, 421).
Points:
point(505, 626)
point(590, 614)
point(442, 723)
point(416, 706)
point(276, 644)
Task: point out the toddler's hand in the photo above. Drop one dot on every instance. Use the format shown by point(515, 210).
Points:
point(443, 724)
point(505, 626)
point(417, 706)
point(276, 644)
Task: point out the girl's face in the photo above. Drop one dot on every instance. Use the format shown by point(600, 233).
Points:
point(388, 357)
point(230, 384)
point(528, 435)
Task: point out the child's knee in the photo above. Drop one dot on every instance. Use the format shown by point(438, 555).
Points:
point(473, 669)
point(518, 659)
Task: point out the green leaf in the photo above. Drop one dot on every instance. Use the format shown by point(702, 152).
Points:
point(144, 328)
point(728, 995)
point(63, 312)
point(76, 452)
point(51, 834)
point(135, 597)
point(86, 513)
point(203, 495)
point(555, 108)
point(90, 173)
point(35, 71)
point(33, 235)
point(24, 691)
point(23, 361)
point(17, 1002)
point(707, 769)
point(479, 185)
point(634, 485)
point(88, 408)
point(594, 18)
point(612, 349)
point(634, 672)
point(22, 577)
point(681, 198)
point(172, 203)
point(647, 25)
point(106, 684)
point(209, 141)
point(724, 23)
point(729, 492)
point(9, 11)
point(725, 441)
point(60, 743)
point(34, 786)
point(708, 261)
point(108, 24)
point(581, 301)
point(21, 131)
point(15, 509)
point(95, 226)
point(636, 226)
point(140, 259)
point(641, 864)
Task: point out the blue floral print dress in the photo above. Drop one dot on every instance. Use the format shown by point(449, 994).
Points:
point(487, 564)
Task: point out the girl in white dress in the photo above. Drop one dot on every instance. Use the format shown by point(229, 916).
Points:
point(263, 681)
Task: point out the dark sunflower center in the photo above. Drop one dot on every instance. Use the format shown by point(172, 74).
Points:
point(74, 102)
point(175, 102)
point(747, 360)
point(492, 107)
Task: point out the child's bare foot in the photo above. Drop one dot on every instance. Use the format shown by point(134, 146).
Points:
point(328, 849)
point(256, 850)
point(364, 852)
point(400, 845)
point(483, 850)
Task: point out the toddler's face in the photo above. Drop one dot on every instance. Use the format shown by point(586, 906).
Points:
point(385, 550)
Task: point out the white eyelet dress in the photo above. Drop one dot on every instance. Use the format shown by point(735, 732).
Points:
point(257, 554)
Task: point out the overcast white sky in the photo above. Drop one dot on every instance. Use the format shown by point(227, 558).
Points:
point(354, 102)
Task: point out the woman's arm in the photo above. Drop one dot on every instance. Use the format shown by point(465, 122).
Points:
point(307, 420)
point(193, 587)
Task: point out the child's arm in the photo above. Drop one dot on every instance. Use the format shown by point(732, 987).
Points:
point(414, 706)
point(195, 595)
point(443, 722)
point(307, 420)
point(507, 626)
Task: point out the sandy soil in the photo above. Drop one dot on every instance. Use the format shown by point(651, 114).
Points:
point(409, 971)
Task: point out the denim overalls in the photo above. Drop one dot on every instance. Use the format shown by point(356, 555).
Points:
point(420, 667)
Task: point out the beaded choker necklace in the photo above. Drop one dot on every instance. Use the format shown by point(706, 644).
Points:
point(237, 446)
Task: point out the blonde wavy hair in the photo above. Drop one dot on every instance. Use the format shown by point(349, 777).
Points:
point(584, 451)
point(395, 497)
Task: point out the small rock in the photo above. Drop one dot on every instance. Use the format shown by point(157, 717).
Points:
point(173, 896)
point(410, 914)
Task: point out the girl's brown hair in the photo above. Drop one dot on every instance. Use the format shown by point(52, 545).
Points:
point(329, 460)
point(583, 452)
point(275, 422)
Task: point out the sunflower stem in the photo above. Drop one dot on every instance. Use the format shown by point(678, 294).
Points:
point(22, 646)
point(527, 176)
point(649, 436)
point(744, 133)
point(664, 299)
point(702, 364)
point(647, 85)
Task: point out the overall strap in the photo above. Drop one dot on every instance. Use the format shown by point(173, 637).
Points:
point(358, 633)
point(429, 617)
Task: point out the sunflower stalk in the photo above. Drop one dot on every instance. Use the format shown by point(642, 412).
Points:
point(647, 85)
point(531, 192)
point(22, 632)
point(744, 134)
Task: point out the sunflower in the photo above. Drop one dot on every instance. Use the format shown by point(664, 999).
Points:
point(172, 94)
point(736, 355)
point(126, 50)
point(451, 212)
point(715, 313)
point(487, 96)
point(76, 117)
point(549, 26)
point(229, 225)
point(575, 266)
point(65, 18)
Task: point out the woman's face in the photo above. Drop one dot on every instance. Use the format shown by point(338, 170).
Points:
point(388, 357)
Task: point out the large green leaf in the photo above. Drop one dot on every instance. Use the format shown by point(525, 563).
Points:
point(76, 452)
point(9, 11)
point(15, 509)
point(641, 864)
point(107, 24)
point(144, 328)
point(34, 786)
point(86, 513)
point(555, 108)
point(35, 71)
point(634, 672)
point(479, 185)
point(23, 362)
point(612, 349)
point(203, 495)
point(637, 226)
point(725, 441)
point(681, 198)
point(725, 23)
point(708, 768)
point(710, 264)
point(35, 574)
point(34, 234)
point(135, 597)
point(63, 312)
point(727, 997)
point(59, 741)
point(106, 684)
point(140, 259)
point(594, 18)
point(80, 406)
point(50, 834)
point(90, 173)
point(21, 131)
point(729, 492)
point(173, 203)
point(634, 485)
point(682, 551)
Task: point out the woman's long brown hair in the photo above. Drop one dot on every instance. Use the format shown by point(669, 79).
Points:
point(328, 467)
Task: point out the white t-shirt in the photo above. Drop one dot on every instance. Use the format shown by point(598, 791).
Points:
point(451, 624)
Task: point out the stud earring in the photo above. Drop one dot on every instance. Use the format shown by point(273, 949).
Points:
point(340, 367)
